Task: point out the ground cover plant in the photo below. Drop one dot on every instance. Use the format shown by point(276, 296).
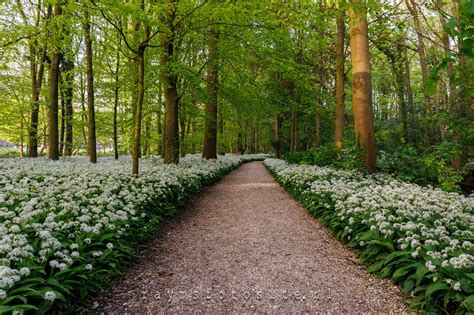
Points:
point(66, 227)
point(421, 238)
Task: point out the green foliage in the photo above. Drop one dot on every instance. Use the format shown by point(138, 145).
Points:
point(429, 167)
point(348, 158)
point(406, 163)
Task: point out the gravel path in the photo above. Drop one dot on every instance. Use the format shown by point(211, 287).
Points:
point(244, 245)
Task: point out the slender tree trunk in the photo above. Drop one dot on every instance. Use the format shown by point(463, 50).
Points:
point(194, 128)
point(438, 107)
point(159, 122)
point(146, 144)
point(53, 146)
point(171, 143)
point(36, 76)
point(182, 129)
point(317, 143)
point(411, 5)
point(83, 108)
point(91, 135)
point(293, 132)
point(138, 109)
point(210, 129)
point(45, 139)
point(277, 131)
point(411, 104)
point(339, 130)
point(22, 140)
point(116, 99)
point(63, 113)
point(361, 84)
point(399, 71)
point(464, 110)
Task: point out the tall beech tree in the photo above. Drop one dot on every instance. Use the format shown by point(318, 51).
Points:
point(210, 130)
point(169, 79)
point(91, 133)
point(67, 86)
point(361, 83)
point(53, 132)
point(340, 58)
point(37, 60)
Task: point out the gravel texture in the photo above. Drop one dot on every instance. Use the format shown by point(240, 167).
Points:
point(245, 246)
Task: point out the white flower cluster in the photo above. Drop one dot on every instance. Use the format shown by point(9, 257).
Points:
point(433, 225)
point(50, 211)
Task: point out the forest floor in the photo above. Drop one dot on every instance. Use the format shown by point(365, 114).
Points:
point(245, 245)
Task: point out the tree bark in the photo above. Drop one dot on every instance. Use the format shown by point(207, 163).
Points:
point(293, 131)
point(83, 108)
point(411, 5)
point(169, 79)
point(277, 134)
point(339, 130)
point(411, 104)
point(361, 83)
point(116, 98)
point(182, 129)
point(36, 78)
point(140, 60)
point(317, 142)
point(53, 146)
point(91, 134)
point(63, 112)
point(210, 129)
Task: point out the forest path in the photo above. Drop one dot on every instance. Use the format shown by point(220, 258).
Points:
point(245, 245)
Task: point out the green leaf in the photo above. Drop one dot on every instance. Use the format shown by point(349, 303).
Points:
point(469, 303)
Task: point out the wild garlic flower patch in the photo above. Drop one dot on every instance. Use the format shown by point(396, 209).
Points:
point(422, 237)
point(68, 223)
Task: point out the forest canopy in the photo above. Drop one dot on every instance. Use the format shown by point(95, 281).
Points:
point(386, 79)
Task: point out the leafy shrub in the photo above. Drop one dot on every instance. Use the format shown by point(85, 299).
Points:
point(8, 153)
point(406, 163)
point(349, 157)
point(432, 167)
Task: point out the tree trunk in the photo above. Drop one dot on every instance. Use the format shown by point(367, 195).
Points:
point(116, 99)
point(67, 89)
point(194, 128)
point(361, 83)
point(463, 111)
point(36, 76)
point(399, 72)
point(91, 135)
point(293, 132)
point(411, 5)
point(252, 137)
point(339, 130)
point(83, 108)
point(146, 144)
point(171, 141)
point(210, 129)
point(277, 131)
point(138, 110)
point(53, 146)
point(159, 123)
point(411, 104)
point(221, 145)
point(182, 129)
point(317, 142)
point(63, 113)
